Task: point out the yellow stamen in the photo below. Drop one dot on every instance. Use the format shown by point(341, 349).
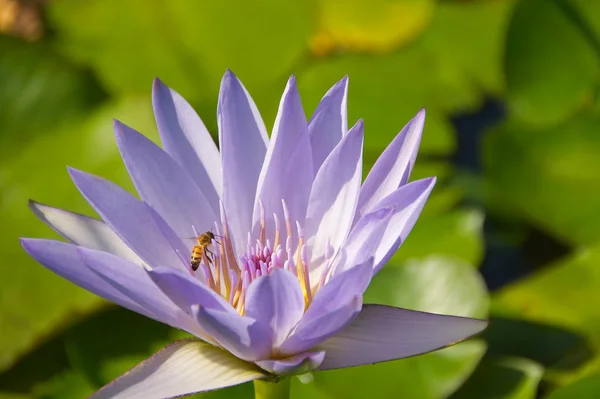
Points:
point(302, 274)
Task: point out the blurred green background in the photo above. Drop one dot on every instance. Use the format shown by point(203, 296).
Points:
point(512, 231)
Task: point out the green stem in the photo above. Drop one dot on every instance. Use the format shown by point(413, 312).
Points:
point(272, 390)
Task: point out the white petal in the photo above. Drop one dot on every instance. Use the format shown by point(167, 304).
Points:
point(84, 231)
point(182, 368)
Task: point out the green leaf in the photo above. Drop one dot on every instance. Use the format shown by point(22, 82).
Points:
point(40, 89)
point(537, 297)
point(459, 233)
point(35, 301)
point(188, 44)
point(509, 378)
point(545, 86)
point(71, 384)
point(435, 284)
point(586, 388)
point(551, 176)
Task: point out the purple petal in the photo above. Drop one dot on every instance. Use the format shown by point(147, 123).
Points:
point(393, 167)
point(182, 368)
point(276, 301)
point(163, 184)
point(329, 122)
point(65, 260)
point(334, 196)
point(243, 336)
point(340, 290)
point(243, 141)
point(287, 172)
point(128, 218)
point(185, 291)
point(382, 333)
point(382, 231)
point(83, 231)
point(324, 326)
point(333, 307)
point(174, 241)
point(185, 138)
point(297, 364)
point(132, 281)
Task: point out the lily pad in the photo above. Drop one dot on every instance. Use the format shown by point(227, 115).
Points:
point(544, 85)
point(550, 176)
point(189, 44)
point(459, 233)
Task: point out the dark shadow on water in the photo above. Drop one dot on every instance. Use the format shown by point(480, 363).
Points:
point(552, 347)
point(514, 248)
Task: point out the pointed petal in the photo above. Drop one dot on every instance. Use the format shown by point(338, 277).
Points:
point(176, 243)
point(276, 301)
point(182, 368)
point(324, 326)
point(127, 216)
point(334, 196)
point(163, 184)
point(382, 231)
point(84, 231)
point(329, 122)
point(65, 260)
point(393, 167)
point(133, 282)
point(382, 333)
point(243, 142)
point(185, 138)
point(333, 307)
point(185, 291)
point(243, 336)
point(287, 173)
point(297, 364)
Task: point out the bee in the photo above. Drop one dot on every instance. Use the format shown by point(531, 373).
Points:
point(201, 251)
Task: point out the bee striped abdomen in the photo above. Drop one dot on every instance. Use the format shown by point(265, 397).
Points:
point(196, 258)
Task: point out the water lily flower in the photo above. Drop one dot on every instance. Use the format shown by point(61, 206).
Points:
point(291, 241)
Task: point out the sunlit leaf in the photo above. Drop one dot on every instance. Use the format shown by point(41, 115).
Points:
point(535, 297)
point(369, 26)
point(546, 86)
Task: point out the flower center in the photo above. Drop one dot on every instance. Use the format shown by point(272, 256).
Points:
point(230, 275)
